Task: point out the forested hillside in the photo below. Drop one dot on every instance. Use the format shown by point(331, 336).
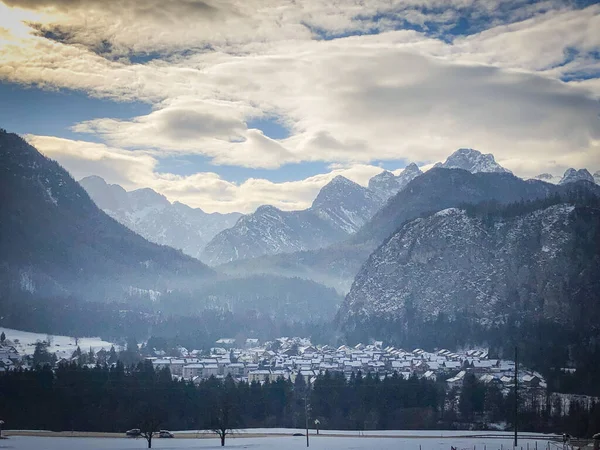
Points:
point(55, 241)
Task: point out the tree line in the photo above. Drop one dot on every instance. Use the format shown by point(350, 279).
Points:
point(117, 398)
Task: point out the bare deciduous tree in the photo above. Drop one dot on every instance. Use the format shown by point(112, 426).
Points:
point(226, 416)
point(149, 428)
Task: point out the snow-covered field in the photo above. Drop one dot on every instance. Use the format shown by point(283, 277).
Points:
point(425, 442)
point(61, 345)
point(427, 434)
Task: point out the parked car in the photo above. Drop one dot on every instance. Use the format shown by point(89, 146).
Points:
point(134, 432)
point(165, 434)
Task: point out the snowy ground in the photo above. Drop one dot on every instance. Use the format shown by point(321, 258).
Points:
point(388, 433)
point(425, 442)
point(61, 345)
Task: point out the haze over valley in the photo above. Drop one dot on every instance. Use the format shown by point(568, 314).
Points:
point(279, 215)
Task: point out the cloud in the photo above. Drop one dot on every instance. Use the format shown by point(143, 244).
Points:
point(539, 43)
point(374, 93)
point(177, 126)
point(387, 101)
point(83, 158)
point(206, 190)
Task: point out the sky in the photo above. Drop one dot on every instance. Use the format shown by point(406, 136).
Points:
point(230, 104)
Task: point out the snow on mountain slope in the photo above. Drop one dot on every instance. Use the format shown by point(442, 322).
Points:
point(24, 342)
point(345, 204)
point(472, 160)
point(547, 177)
point(484, 265)
point(386, 184)
point(572, 175)
point(340, 208)
point(151, 215)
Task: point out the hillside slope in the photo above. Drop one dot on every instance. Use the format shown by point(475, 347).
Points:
point(55, 240)
point(482, 264)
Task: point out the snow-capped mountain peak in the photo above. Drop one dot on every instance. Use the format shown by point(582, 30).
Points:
point(411, 169)
point(151, 215)
point(340, 208)
point(386, 184)
point(147, 198)
point(547, 177)
point(338, 188)
point(572, 175)
point(472, 160)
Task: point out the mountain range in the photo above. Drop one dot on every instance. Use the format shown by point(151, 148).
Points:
point(436, 189)
point(152, 216)
point(340, 209)
point(386, 184)
point(538, 260)
point(467, 238)
point(61, 257)
point(55, 240)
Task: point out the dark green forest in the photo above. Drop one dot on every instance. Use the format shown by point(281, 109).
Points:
point(77, 398)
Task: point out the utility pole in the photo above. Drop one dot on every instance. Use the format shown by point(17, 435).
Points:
point(306, 416)
point(516, 392)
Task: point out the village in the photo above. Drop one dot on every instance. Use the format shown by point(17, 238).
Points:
point(289, 358)
point(292, 357)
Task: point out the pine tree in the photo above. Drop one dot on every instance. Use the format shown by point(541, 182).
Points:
point(41, 356)
point(91, 357)
point(2, 337)
point(112, 356)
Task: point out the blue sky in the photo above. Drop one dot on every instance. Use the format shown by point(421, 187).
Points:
point(33, 110)
point(223, 108)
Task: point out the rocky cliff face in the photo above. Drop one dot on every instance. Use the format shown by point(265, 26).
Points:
point(542, 264)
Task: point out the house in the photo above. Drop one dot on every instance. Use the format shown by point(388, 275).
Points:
point(488, 378)
point(430, 375)
point(451, 365)
point(531, 381)
point(260, 376)
point(210, 370)
point(191, 371)
point(249, 368)
point(177, 366)
point(236, 370)
point(225, 342)
point(159, 364)
point(457, 380)
point(400, 365)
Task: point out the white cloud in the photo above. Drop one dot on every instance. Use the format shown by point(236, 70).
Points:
point(136, 169)
point(386, 101)
point(351, 101)
point(83, 158)
point(539, 43)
